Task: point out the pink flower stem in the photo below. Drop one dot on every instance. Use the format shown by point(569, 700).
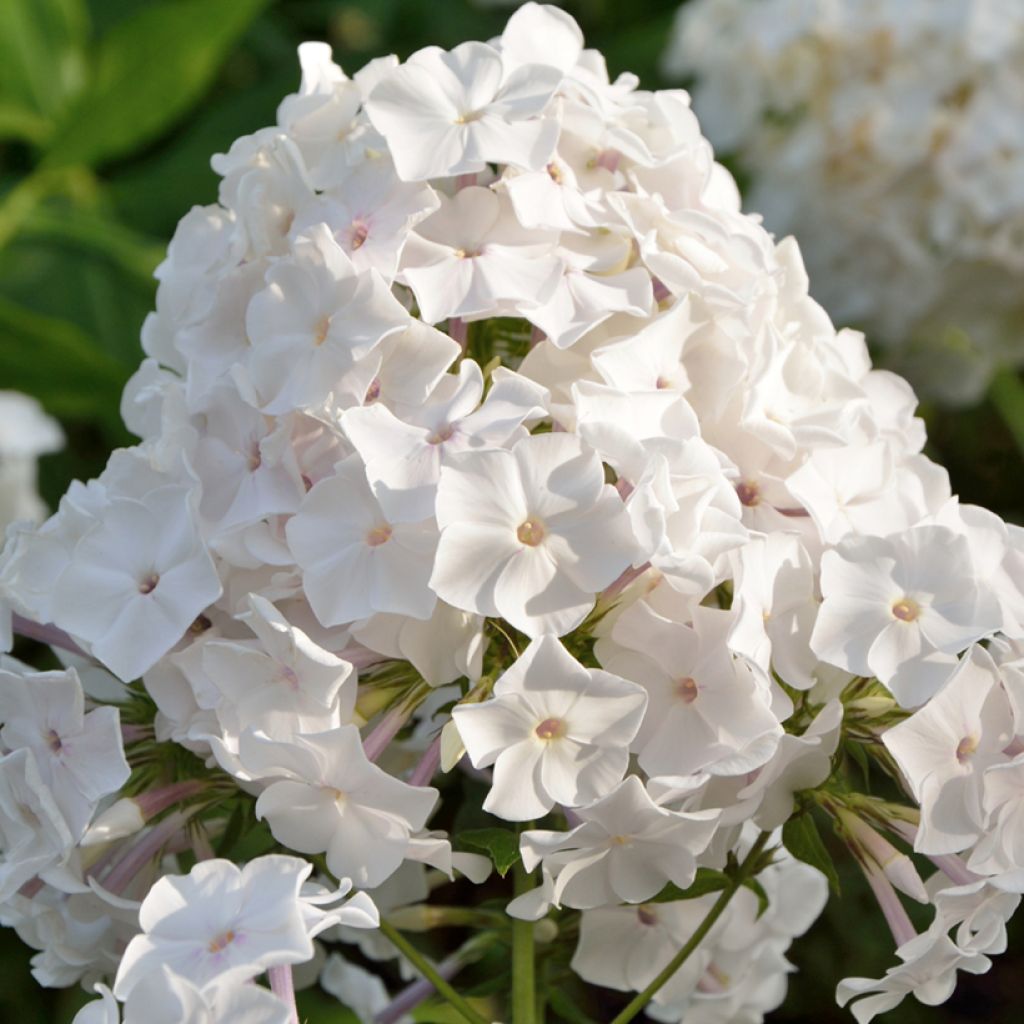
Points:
point(144, 850)
point(428, 764)
point(536, 336)
point(458, 330)
point(135, 733)
point(954, 868)
point(465, 181)
point(46, 634)
point(386, 730)
point(616, 588)
point(412, 995)
point(153, 801)
point(283, 986)
point(895, 913)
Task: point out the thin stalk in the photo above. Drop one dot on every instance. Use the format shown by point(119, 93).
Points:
point(1007, 395)
point(420, 990)
point(742, 874)
point(282, 985)
point(427, 969)
point(524, 985)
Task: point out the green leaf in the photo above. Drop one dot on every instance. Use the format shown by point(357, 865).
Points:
point(59, 364)
point(859, 754)
point(706, 881)
point(500, 844)
point(801, 837)
point(42, 63)
point(150, 69)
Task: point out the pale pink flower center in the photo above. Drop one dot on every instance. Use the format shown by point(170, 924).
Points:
point(686, 689)
point(906, 609)
point(441, 435)
point(550, 729)
point(221, 942)
point(360, 232)
point(965, 749)
point(148, 584)
point(378, 535)
point(749, 493)
point(531, 532)
point(322, 327)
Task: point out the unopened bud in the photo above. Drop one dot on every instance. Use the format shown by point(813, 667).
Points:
point(121, 819)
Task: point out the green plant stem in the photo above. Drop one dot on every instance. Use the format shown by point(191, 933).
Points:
point(524, 998)
point(744, 872)
point(423, 965)
point(1007, 395)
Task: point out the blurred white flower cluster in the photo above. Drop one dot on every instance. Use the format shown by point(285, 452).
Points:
point(888, 136)
point(26, 432)
point(652, 582)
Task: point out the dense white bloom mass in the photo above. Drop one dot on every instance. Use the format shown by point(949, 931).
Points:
point(887, 137)
point(480, 427)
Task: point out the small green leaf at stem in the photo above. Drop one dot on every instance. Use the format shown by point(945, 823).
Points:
point(500, 844)
point(801, 837)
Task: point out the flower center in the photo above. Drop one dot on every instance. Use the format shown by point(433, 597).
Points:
point(360, 232)
point(323, 325)
point(53, 741)
point(531, 532)
point(148, 585)
point(647, 916)
point(550, 729)
point(221, 942)
point(965, 749)
point(906, 609)
point(441, 435)
point(687, 689)
point(749, 493)
point(373, 391)
point(378, 535)
point(555, 173)
point(469, 117)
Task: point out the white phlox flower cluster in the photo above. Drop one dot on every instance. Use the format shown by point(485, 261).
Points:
point(888, 136)
point(496, 468)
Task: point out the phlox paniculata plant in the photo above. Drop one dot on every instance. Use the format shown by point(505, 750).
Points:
point(887, 136)
point(503, 502)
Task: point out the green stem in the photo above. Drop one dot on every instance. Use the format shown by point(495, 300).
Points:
point(1007, 395)
point(742, 874)
point(424, 966)
point(524, 999)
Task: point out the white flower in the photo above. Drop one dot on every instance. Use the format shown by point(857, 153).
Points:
point(452, 113)
point(26, 432)
point(404, 455)
point(224, 922)
point(328, 798)
point(473, 257)
point(314, 324)
point(555, 732)
point(945, 748)
point(34, 837)
point(80, 756)
point(900, 608)
point(626, 849)
point(355, 559)
point(706, 710)
point(531, 534)
point(137, 580)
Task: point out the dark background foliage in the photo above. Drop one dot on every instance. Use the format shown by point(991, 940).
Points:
point(109, 113)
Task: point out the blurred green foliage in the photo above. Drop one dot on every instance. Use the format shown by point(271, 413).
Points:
point(109, 113)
